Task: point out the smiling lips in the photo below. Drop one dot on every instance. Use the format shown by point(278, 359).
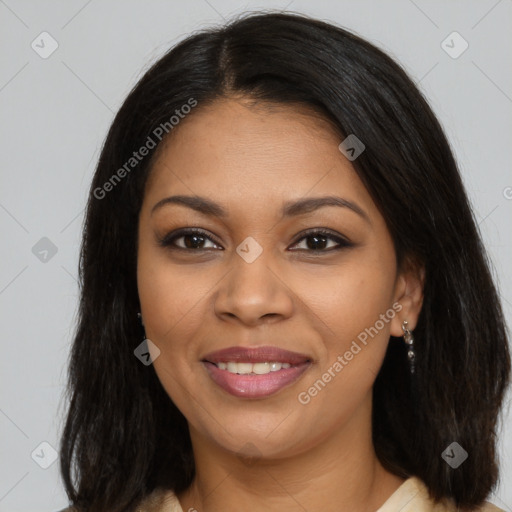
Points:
point(255, 372)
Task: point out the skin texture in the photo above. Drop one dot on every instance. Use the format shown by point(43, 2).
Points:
point(272, 453)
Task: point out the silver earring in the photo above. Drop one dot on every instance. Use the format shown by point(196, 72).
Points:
point(409, 340)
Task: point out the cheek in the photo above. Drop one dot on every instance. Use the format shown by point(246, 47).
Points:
point(350, 298)
point(171, 306)
point(171, 297)
point(355, 341)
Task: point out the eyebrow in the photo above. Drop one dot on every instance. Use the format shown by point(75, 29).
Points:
point(290, 208)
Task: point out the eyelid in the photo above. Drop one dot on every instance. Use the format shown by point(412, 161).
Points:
point(341, 241)
point(166, 240)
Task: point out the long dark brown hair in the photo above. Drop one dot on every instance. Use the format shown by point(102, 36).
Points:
point(123, 437)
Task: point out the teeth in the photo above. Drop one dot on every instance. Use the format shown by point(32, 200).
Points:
point(244, 368)
point(256, 368)
point(274, 367)
point(261, 368)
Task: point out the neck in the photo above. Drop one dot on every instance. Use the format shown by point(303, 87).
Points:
point(340, 472)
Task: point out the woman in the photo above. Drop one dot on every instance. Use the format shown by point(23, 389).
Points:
point(285, 301)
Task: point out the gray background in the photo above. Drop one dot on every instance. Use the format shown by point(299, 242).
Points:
point(54, 116)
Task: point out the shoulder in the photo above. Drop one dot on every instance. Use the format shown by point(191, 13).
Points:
point(489, 507)
point(413, 496)
point(160, 500)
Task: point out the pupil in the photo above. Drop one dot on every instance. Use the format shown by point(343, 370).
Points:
point(319, 241)
point(196, 243)
point(316, 238)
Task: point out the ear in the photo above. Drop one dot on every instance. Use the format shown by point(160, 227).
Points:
point(409, 288)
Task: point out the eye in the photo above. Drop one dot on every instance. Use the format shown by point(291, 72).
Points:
point(193, 239)
point(319, 241)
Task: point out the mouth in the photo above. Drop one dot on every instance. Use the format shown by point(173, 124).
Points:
point(257, 372)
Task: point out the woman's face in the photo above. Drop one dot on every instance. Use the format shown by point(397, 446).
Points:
point(252, 278)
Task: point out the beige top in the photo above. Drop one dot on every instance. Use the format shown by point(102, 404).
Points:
point(411, 496)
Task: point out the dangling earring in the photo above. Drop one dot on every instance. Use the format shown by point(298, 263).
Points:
point(147, 351)
point(409, 339)
point(139, 316)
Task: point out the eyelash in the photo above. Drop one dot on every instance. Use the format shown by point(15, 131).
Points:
point(167, 241)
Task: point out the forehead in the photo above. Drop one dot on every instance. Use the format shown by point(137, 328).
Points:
point(234, 149)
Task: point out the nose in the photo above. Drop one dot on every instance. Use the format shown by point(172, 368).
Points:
point(254, 293)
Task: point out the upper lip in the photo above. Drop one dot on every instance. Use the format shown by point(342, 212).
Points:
point(256, 355)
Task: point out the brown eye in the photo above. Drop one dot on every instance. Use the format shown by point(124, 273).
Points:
point(318, 241)
point(193, 239)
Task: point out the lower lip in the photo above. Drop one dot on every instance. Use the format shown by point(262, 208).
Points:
point(255, 386)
